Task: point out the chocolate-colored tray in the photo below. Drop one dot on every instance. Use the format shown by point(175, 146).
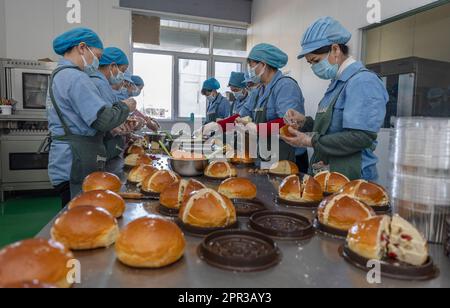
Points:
point(165, 211)
point(240, 251)
point(246, 208)
point(301, 205)
point(391, 268)
point(333, 232)
point(203, 232)
point(282, 225)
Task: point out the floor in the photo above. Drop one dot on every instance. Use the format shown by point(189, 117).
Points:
point(25, 215)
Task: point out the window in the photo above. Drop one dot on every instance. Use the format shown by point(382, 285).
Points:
point(176, 57)
point(412, 54)
point(156, 98)
point(191, 74)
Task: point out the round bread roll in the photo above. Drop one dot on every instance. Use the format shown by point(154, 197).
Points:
point(136, 149)
point(139, 173)
point(134, 160)
point(293, 189)
point(35, 260)
point(208, 209)
point(284, 132)
point(104, 199)
point(102, 181)
point(29, 285)
point(150, 243)
point(237, 159)
point(220, 170)
point(342, 212)
point(238, 188)
point(85, 228)
point(331, 182)
point(159, 181)
point(370, 193)
point(369, 238)
point(284, 167)
point(175, 194)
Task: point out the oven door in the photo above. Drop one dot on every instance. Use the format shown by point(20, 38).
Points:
point(21, 163)
point(30, 88)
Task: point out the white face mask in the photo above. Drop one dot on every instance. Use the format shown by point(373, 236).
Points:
point(254, 76)
point(92, 68)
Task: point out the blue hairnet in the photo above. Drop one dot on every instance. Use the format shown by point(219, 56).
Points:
point(138, 81)
point(114, 55)
point(74, 37)
point(324, 32)
point(270, 55)
point(211, 84)
point(237, 80)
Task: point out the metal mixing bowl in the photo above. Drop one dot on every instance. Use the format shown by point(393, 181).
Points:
point(188, 168)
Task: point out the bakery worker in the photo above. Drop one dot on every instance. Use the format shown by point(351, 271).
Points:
point(239, 89)
point(78, 115)
point(218, 106)
point(126, 90)
point(275, 95)
point(113, 65)
point(352, 110)
point(139, 85)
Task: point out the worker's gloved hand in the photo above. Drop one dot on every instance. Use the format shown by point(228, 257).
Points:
point(210, 128)
point(152, 125)
point(300, 140)
point(243, 121)
point(252, 128)
point(295, 119)
point(131, 103)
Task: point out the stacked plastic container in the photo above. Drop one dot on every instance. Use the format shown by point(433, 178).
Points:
point(421, 174)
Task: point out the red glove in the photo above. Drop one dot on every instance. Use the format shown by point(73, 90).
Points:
point(230, 120)
point(271, 128)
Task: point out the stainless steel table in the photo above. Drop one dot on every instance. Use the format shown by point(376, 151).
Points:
point(313, 263)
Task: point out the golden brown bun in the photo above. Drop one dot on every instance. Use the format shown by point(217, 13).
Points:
point(342, 212)
point(220, 170)
point(175, 194)
point(238, 188)
point(370, 193)
point(134, 160)
point(369, 238)
point(29, 285)
point(105, 199)
point(208, 209)
point(331, 182)
point(284, 132)
point(139, 173)
point(35, 259)
point(135, 149)
point(150, 243)
point(284, 167)
point(85, 228)
point(102, 181)
point(293, 189)
point(159, 181)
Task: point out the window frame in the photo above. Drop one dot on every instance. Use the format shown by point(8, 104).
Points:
point(210, 58)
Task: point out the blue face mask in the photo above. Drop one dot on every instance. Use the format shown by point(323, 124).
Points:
point(254, 77)
point(239, 95)
point(136, 92)
point(92, 68)
point(211, 98)
point(118, 79)
point(325, 70)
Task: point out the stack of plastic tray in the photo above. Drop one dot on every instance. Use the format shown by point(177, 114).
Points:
point(421, 174)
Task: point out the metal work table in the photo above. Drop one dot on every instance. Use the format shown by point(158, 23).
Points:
point(313, 263)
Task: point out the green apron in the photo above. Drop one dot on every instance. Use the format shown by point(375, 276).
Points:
point(286, 151)
point(348, 165)
point(88, 153)
point(115, 146)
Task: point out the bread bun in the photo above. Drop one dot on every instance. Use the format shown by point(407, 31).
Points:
point(331, 182)
point(150, 243)
point(175, 194)
point(208, 209)
point(159, 181)
point(136, 149)
point(85, 228)
point(293, 189)
point(342, 212)
point(369, 238)
point(284, 167)
point(29, 285)
point(238, 188)
point(35, 260)
point(284, 132)
point(220, 170)
point(105, 199)
point(102, 181)
point(134, 160)
point(139, 173)
point(370, 193)
point(237, 160)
